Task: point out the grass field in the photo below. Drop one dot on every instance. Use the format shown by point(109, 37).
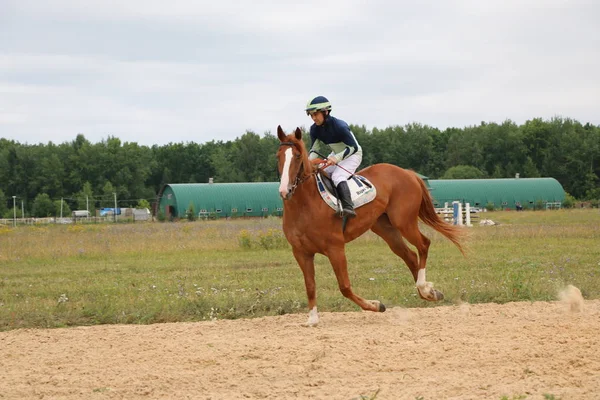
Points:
point(56, 276)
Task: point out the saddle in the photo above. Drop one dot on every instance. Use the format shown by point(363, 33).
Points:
point(361, 189)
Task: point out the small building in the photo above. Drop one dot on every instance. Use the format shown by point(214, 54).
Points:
point(81, 214)
point(141, 214)
point(502, 193)
point(108, 211)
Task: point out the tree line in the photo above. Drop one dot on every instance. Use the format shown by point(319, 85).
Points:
point(90, 175)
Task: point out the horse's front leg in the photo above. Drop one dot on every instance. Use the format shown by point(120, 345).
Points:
point(337, 257)
point(306, 261)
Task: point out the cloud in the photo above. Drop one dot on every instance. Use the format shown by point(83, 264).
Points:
point(154, 72)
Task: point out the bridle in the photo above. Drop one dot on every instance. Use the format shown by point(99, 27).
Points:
point(299, 179)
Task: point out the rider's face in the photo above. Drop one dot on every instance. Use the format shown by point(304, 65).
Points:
point(318, 117)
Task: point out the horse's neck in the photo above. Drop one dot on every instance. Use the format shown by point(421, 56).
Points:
point(305, 191)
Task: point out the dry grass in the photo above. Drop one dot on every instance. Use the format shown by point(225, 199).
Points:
point(143, 273)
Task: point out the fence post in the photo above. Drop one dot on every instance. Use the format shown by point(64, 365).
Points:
point(457, 215)
point(468, 214)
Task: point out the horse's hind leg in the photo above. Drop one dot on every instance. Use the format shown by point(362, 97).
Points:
point(411, 232)
point(383, 227)
point(393, 237)
point(337, 257)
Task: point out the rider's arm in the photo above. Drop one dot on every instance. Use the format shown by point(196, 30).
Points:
point(348, 145)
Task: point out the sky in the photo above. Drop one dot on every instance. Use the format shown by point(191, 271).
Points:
point(159, 72)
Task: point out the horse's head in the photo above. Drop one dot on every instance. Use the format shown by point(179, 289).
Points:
point(292, 161)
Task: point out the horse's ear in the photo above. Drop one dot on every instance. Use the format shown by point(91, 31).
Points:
point(298, 134)
point(280, 133)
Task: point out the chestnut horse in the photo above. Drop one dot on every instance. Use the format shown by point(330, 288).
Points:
point(312, 227)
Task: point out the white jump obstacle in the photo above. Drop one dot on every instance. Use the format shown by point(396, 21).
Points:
point(457, 214)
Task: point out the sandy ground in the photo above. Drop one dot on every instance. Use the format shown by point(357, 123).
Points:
point(517, 350)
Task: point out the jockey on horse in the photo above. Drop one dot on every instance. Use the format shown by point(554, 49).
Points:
point(346, 153)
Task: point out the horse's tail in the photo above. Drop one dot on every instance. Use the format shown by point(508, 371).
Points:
point(430, 217)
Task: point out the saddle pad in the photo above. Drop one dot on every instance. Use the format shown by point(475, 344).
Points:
point(361, 189)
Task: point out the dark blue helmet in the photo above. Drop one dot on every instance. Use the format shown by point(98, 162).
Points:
point(319, 103)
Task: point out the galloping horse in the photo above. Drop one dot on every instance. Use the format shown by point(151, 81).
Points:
point(311, 227)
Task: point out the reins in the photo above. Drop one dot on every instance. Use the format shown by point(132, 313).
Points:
point(336, 165)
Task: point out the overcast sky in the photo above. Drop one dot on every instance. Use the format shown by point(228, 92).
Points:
point(155, 72)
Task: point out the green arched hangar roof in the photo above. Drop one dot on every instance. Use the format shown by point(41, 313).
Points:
point(501, 192)
point(253, 199)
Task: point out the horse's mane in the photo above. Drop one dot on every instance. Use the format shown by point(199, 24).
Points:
point(306, 164)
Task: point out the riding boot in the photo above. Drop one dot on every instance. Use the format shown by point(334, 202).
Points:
point(346, 199)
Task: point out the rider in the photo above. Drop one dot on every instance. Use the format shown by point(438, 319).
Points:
point(345, 150)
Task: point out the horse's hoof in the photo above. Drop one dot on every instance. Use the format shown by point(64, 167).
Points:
point(381, 307)
point(437, 295)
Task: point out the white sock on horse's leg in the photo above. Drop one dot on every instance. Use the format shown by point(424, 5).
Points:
point(424, 287)
point(313, 317)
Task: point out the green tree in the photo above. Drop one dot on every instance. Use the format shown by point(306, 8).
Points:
point(3, 203)
point(224, 166)
point(66, 210)
point(50, 173)
point(465, 147)
point(9, 214)
point(364, 137)
point(498, 173)
point(463, 172)
point(43, 206)
point(85, 199)
point(529, 169)
point(143, 203)
point(108, 195)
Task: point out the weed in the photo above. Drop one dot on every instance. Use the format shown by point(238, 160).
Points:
point(368, 397)
point(155, 272)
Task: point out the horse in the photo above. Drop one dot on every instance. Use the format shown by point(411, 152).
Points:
point(311, 227)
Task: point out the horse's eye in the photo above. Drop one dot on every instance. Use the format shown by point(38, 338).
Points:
point(298, 156)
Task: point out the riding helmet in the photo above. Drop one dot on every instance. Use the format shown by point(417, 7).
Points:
point(319, 103)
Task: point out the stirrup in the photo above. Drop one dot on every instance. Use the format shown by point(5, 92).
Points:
point(350, 213)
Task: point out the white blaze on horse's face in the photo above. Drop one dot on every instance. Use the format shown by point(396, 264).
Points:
point(285, 186)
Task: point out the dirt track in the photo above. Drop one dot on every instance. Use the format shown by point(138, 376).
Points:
point(462, 352)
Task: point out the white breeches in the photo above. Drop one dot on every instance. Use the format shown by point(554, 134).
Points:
point(349, 166)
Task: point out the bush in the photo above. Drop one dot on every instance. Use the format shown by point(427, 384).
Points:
point(190, 213)
point(489, 206)
point(269, 239)
point(245, 240)
point(9, 214)
point(272, 239)
point(143, 203)
point(539, 205)
point(569, 201)
point(43, 206)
